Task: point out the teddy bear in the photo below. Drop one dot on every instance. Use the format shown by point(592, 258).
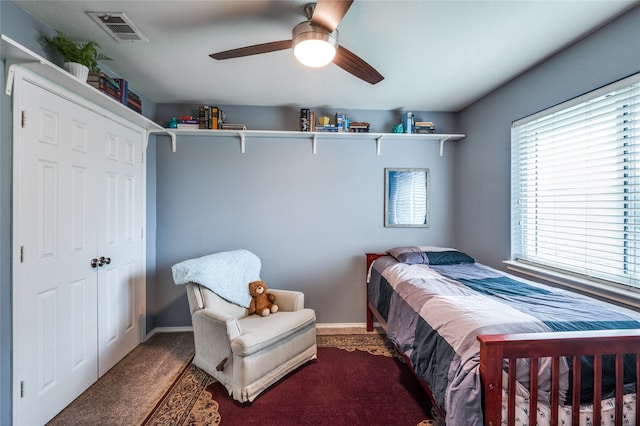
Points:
point(261, 300)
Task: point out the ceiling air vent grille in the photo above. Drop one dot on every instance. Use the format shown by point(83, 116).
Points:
point(118, 26)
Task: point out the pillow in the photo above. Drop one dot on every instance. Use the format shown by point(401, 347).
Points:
point(428, 255)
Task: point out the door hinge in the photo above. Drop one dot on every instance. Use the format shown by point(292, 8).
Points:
point(23, 119)
point(142, 233)
point(21, 254)
point(22, 389)
point(142, 157)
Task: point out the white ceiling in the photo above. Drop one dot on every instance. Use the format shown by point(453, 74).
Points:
point(434, 55)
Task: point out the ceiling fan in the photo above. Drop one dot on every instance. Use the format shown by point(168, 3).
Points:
point(320, 30)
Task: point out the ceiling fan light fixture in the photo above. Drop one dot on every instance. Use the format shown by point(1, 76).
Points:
point(314, 46)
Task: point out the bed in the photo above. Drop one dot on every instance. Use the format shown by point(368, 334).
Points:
point(495, 349)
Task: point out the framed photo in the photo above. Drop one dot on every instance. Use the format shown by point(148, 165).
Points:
point(406, 197)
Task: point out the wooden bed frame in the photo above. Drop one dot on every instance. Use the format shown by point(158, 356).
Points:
point(498, 348)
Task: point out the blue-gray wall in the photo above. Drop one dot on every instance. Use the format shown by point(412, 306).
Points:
point(310, 218)
point(483, 159)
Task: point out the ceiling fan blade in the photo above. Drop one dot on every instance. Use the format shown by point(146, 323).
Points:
point(255, 49)
point(353, 64)
point(328, 13)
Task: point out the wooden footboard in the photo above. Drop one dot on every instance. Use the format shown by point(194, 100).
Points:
point(494, 349)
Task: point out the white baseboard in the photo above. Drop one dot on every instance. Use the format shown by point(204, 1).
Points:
point(167, 330)
point(321, 329)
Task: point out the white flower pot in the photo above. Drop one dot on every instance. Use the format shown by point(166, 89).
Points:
point(79, 71)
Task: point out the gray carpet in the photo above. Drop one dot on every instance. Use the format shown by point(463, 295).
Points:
point(128, 392)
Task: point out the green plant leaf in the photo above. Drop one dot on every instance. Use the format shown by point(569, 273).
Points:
point(83, 53)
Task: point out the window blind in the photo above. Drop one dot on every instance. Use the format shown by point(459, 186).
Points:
point(575, 194)
point(407, 197)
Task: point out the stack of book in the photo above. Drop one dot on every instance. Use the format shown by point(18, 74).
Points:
point(133, 101)
point(116, 88)
point(424, 127)
point(326, 128)
point(189, 122)
point(359, 127)
point(209, 117)
point(105, 84)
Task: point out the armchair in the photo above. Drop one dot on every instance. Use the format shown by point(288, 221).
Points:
point(248, 353)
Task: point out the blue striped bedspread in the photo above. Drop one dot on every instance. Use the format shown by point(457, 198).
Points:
point(435, 313)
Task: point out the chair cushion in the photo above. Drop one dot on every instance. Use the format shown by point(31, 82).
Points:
point(261, 332)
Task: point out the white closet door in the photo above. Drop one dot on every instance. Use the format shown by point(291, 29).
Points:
point(119, 240)
point(55, 292)
point(78, 221)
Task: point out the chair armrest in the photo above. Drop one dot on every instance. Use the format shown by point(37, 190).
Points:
point(288, 300)
point(207, 321)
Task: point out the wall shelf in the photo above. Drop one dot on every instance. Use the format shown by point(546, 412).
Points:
point(17, 55)
point(314, 137)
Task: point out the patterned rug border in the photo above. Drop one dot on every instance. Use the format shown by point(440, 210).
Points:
point(170, 399)
point(187, 396)
point(375, 344)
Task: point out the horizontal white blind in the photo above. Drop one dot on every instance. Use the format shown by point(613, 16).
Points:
point(575, 194)
point(407, 197)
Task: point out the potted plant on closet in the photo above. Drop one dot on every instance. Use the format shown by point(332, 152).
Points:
point(79, 58)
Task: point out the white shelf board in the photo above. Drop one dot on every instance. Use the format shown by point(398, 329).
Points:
point(313, 136)
point(17, 55)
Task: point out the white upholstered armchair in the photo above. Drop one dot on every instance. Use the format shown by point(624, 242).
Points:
point(246, 353)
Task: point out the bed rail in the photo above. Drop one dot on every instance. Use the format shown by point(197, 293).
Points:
point(495, 349)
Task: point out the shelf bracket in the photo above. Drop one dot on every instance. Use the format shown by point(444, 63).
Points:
point(378, 143)
point(442, 141)
point(9, 85)
point(168, 132)
point(314, 144)
point(242, 142)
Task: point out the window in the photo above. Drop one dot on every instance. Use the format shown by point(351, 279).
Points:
point(575, 194)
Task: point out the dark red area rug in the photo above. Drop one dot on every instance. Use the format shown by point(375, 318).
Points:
point(341, 387)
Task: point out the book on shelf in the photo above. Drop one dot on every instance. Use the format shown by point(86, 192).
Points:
point(115, 88)
point(134, 102)
point(231, 126)
point(209, 117)
point(215, 117)
point(359, 127)
point(189, 121)
point(327, 128)
point(192, 126)
point(305, 120)
point(424, 127)
point(123, 89)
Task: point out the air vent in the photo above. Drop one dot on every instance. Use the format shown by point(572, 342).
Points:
point(118, 26)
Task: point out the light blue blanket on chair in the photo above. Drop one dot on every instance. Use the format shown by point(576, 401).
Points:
point(227, 274)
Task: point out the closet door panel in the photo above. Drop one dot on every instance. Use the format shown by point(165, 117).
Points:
point(120, 240)
point(55, 288)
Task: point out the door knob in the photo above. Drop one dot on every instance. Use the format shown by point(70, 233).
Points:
point(96, 263)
